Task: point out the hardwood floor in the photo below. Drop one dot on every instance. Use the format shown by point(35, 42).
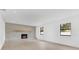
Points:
point(34, 45)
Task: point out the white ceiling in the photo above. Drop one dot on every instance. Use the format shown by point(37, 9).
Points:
point(35, 17)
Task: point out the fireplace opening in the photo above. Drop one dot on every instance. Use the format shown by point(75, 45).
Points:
point(24, 36)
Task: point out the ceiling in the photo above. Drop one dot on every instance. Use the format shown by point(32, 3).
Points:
point(36, 17)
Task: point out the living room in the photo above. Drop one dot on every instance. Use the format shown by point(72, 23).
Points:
point(39, 25)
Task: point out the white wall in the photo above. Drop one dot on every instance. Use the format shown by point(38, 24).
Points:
point(2, 32)
point(52, 31)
